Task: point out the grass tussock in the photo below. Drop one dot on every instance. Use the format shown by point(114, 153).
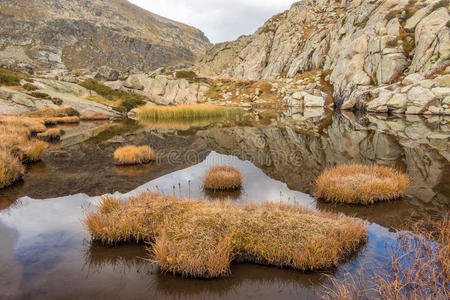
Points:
point(189, 112)
point(62, 120)
point(134, 155)
point(10, 77)
point(51, 135)
point(418, 267)
point(200, 239)
point(95, 117)
point(358, 184)
point(222, 178)
point(11, 170)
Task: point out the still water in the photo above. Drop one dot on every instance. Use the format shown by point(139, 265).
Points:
point(46, 254)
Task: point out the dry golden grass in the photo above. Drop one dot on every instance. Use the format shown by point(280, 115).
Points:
point(222, 178)
point(52, 113)
point(134, 155)
point(418, 268)
point(95, 117)
point(11, 170)
point(16, 136)
point(200, 238)
point(358, 184)
point(51, 135)
point(62, 120)
point(183, 112)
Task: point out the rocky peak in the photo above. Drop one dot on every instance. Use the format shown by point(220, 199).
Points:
point(58, 34)
point(362, 43)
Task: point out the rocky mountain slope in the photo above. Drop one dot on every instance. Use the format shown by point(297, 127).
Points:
point(365, 44)
point(73, 34)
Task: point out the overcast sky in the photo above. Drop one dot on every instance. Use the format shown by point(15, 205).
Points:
point(220, 20)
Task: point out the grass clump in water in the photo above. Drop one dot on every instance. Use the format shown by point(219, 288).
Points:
point(134, 155)
point(222, 178)
point(358, 184)
point(11, 170)
point(186, 112)
point(51, 135)
point(200, 239)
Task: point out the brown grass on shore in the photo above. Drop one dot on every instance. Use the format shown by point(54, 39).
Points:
point(200, 239)
point(95, 117)
point(186, 112)
point(16, 136)
point(53, 113)
point(222, 178)
point(418, 268)
point(11, 170)
point(134, 155)
point(358, 184)
point(62, 120)
point(51, 135)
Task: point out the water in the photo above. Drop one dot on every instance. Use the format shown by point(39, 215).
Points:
point(48, 255)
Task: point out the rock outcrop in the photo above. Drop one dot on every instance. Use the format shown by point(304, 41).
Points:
point(363, 43)
point(66, 34)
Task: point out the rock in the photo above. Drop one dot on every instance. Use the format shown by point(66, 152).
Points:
point(412, 22)
point(314, 101)
point(441, 92)
point(107, 73)
point(413, 79)
point(299, 95)
point(397, 101)
point(418, 99)
point(432, 41)
point(135, 81)
point(95, 33)
point(379, 104)
point(115, 85)
point(393, 27)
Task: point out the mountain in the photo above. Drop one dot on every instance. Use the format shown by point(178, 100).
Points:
point(73, 34)
point(360, 42)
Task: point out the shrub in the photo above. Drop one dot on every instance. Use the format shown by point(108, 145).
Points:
point(11, 170)
point(51, 135)
point(95, 117)
point(200, 238)
point(357, 184)
point(185, 75)
point(133, 155)
point(40, 95)
point(53, 113)
point(30, 87)
point(221, 178)
point(192, 112)
point(126, 101)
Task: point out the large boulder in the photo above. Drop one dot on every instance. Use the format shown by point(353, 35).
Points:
point(107, 74)
point(418, 99)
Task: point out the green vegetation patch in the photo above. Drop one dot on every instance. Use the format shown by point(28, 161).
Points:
point(124, 101)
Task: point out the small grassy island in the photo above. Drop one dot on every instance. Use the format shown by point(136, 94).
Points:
point(201, 239)
point(133, 155)
point(358, 184)
point(222, 178)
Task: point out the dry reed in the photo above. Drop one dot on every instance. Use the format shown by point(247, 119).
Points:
point(222, 178)
point(358, 184)
point(418, 268)
point(189, 112)
point(133, 155)
point(11, 170)
point(200, 239)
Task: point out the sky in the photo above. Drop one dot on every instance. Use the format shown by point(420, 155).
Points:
point(220, 20)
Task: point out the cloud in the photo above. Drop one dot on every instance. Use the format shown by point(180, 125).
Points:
point(220, 20)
